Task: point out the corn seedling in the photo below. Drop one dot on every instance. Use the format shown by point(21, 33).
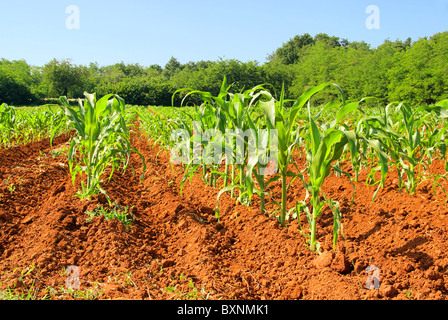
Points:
point(116, 211)
point(282, 119)
point(102, 140)
point(7, 124)
point(325, 146)
point(402, 140)
point(225, 115)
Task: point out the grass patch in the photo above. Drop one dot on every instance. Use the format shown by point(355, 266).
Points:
point(187, 290)
point(115, 211)
point(25, 284)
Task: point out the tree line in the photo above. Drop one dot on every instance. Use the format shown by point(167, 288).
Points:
point(416, 72)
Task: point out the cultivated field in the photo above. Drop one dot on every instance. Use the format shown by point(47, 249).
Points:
point(340, 201)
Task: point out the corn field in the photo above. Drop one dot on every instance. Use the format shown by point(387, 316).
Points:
point(254, 148)
point(397, 136)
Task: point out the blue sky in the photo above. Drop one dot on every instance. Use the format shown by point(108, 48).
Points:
point(152, 31)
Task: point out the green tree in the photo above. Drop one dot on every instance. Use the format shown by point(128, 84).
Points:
point(349, 71)
point(375, 69)
point(14, 92)
point(329, 40)
point(278, 74)
point(208, 76)
point(62, 78)
point(318, 65)
point(17, 79)
point(419, 73)
point(171, 68)
point(290, 52)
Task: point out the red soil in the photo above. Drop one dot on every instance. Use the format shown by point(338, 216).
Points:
point(176, 242)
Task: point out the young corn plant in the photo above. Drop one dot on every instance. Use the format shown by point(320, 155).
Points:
point(434, 141)
point(102, 140)
point(225, 115)
point(157, 127)
point(283, 120)
point(262, 162)
point(243, 141)
point(403, 140)
point(204, 135)
point(435, 132)
point(206, 117)
point(380, 127)
point(7, 124)
point(324, 148)
point(258, 153)
point(56, 123)
point(325, 145)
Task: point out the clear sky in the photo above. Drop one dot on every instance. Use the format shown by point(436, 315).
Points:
point(152, 31)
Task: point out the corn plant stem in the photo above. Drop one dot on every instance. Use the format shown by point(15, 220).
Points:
point(262, 201)
point(411, 177)
point(88, 171)
point(313, 231)
point(213, 178)
point(284, 198)
point(204, 172)
point(316, 208)
point(242, 179)
point(210, 179)
point(232, 193)
point(400, 178)
point(226, 175)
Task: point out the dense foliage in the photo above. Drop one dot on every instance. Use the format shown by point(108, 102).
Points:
point(415, 72)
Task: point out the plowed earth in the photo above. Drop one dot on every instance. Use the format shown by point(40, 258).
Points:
point(177, 249)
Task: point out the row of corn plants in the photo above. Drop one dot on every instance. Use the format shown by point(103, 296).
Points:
point(411, 137)
point(244, 142)
point(400, 137)
point(7, 123)
point(23, 125)
point(102, 141)
point(273, 128)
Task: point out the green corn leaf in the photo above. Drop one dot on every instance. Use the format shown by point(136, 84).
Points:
point(300, 102)
point(346, 109)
